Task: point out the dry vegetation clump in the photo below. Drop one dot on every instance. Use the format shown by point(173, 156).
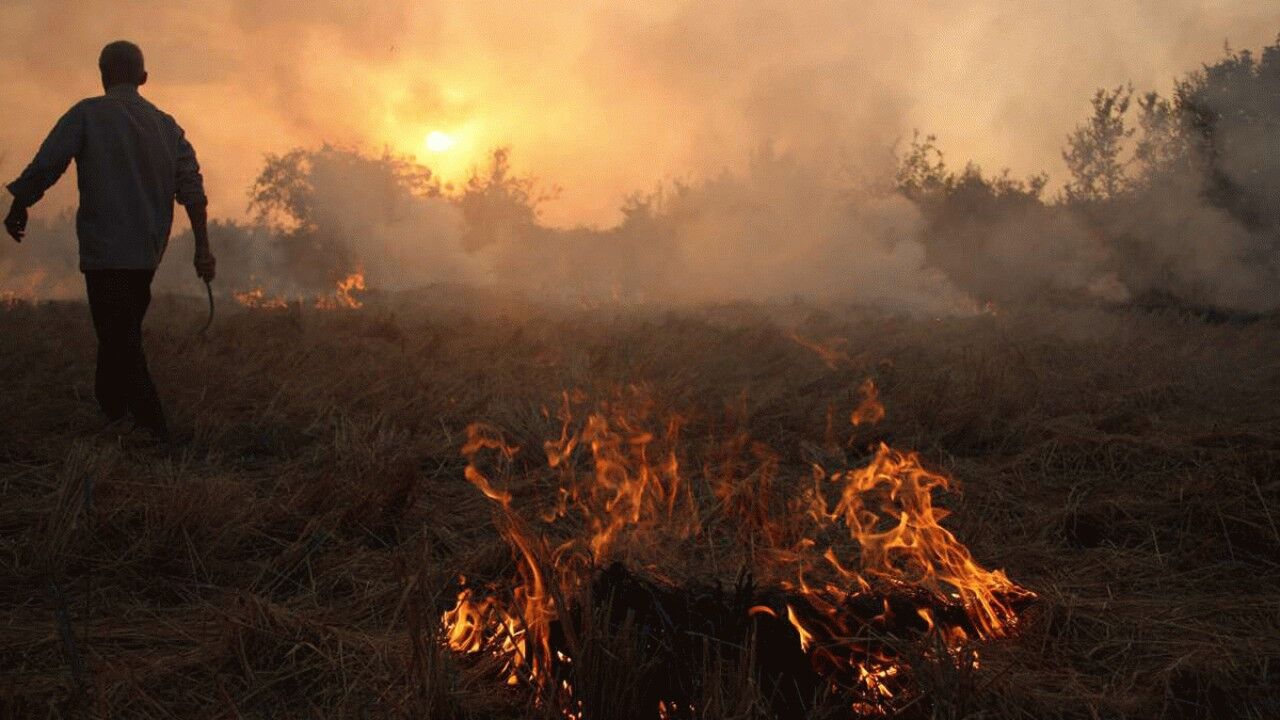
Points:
point(291, 557)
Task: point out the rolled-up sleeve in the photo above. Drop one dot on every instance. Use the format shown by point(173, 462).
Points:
point(189, 183)
point(51, 160)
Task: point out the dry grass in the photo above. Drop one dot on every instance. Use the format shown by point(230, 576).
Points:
point(290, 558)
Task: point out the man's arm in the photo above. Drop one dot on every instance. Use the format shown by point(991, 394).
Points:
point(50, 162)
point(189, 191)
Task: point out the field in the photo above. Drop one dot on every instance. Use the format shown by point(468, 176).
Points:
point(290, 556)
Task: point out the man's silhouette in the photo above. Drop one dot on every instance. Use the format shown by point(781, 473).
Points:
point(132, 162)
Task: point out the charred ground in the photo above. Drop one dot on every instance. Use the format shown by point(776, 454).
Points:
point(291, 558)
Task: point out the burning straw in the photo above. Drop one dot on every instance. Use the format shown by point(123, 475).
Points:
point(344, 296)
point(840, 587)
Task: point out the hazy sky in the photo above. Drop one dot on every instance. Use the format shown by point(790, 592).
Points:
point(603, 98)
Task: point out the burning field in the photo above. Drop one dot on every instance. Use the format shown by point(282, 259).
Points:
point(741, 360)
point(443, 504)
point(845, 567)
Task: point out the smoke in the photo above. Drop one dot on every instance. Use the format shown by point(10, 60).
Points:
point(767, 127)
point(1165, 245)
point(366, 216)
point(605, 98)
point(782, 228)
point(1177, 245)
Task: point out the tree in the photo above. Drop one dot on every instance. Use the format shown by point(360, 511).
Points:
point(499, 205)
point(284, 193)
point(922, 170)
point(1161, 153)
point(1094, 149)
point(1230, 112)
point(317, 203)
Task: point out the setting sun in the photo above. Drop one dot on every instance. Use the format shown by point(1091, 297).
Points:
point(437, 141)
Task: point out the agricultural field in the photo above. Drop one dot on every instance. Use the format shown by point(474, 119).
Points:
point(301, 548)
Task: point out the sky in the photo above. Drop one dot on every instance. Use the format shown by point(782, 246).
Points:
point(602, 99)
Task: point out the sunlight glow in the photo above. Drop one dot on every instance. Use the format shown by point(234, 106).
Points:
point(437, 141)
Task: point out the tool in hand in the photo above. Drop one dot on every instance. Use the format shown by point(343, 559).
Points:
point(208, 291)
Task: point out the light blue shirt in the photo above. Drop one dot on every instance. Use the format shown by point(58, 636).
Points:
point(132, 162)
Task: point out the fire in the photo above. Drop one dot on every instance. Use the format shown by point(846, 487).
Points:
point(887, 509)
point(830, 352)
point(869, 411)
point(27, 290)
point(10, 299)
point(859, 554)
point(342, 298)
point(806, 637)
point(257, 298)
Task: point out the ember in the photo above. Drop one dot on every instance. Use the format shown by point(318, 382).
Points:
point(832, 580)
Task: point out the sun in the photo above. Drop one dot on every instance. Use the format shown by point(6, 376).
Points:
point(437, 141)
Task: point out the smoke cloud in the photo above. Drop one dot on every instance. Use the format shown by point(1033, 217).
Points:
point(760, 133)
point(606, 98)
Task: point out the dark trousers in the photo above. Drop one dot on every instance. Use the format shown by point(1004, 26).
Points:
point(118, 300)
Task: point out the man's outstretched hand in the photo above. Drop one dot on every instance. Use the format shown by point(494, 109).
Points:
point(16, 222)
point(206, 265)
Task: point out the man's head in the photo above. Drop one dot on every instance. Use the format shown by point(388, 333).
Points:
point(121, 63)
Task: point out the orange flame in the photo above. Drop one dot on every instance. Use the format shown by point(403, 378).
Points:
point(342, 297)
point(258, 299)
point(869, 411)
point(806, 637)
point(27, 289)
point(865, 532)
point(830, 352)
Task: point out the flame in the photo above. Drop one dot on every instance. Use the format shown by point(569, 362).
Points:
point(342, 298)
point(806, 637)
point(855, 535)
point(869, 411)
point(258, 299)
point(830, 352)
point(467, 622)
point(26, 290)
point(10, 299)
point(897, 539)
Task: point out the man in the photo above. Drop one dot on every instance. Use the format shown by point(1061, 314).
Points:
point(132, 162)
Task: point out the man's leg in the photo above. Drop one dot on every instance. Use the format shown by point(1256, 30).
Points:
point(109, 306)
point(143, 401)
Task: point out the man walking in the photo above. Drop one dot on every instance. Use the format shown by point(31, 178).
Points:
point(132, 162)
